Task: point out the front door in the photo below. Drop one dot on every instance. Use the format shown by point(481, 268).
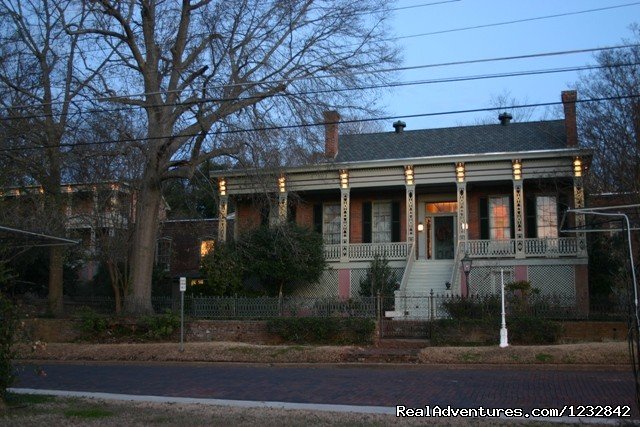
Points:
point(440, 237)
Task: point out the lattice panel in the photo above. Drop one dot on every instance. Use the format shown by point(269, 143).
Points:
point(487, 280)
point(553, 279)
point(327, 286)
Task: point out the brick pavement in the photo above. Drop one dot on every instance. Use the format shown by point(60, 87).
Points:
point(412, 386)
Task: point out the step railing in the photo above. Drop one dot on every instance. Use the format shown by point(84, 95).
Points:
point(411, 257)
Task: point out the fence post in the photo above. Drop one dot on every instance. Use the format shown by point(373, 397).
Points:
point(379, 314)
point(431, 306)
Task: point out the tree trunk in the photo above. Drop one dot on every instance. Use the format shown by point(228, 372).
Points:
point(56, 266)
point(138, 300)
point(114, 276)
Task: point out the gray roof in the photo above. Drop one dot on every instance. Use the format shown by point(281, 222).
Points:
point(514, 137)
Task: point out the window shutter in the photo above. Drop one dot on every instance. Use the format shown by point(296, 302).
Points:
point(512, 222)
point(563, 205)
point(317, 218)
point(532, 224)
point(484, 218)
point(366, 222)
point(395, 221)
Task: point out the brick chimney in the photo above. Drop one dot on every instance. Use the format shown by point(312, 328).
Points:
point(569, 98)
point(331, 119)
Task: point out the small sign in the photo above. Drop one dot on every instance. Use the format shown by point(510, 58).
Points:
point(183, 284)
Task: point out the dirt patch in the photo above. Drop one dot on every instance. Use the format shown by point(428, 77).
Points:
point(612, 353)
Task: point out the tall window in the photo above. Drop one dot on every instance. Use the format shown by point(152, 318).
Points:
point(499, 218)
point(546, 217)
point(163, 253)
point(381, 222)
point(331, 223)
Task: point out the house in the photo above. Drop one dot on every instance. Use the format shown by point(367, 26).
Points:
point(427, 199)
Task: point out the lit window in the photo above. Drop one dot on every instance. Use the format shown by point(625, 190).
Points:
point(442, 207)
point(547, 216)
point(206, 247)
point(499, 218)
point(331, 223)
point(381, 222)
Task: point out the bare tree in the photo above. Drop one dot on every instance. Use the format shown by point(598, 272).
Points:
point(42, 80)
point(612, 127)
point(206, 68)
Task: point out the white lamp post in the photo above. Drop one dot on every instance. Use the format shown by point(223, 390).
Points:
point(504, 341)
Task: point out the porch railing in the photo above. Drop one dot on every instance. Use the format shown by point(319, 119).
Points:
point(366, 251)
point(551, 247)
point(332, 252)
point(492, 248)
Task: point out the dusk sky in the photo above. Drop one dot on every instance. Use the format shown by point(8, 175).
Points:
point(573, 32)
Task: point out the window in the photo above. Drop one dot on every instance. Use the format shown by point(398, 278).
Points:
point(381, 222)
point(546, 217)
point(206, 246)
point(499, 218)
point(331, 223)
point(163, 253)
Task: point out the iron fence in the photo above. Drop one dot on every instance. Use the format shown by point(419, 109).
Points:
point(242, 307)
point(408, 307)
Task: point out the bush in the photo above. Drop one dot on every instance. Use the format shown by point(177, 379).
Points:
point(8, 324)
point(161, 326)
point(532, 330)
point(474, 307)
point(92, 324)
point(323, 330)
point(379, 279)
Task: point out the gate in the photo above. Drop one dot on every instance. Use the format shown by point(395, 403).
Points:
point(407, 316)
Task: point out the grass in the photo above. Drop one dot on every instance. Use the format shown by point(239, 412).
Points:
point(45, 410)
point(88, 413)
point(15, 400)
point(544, 357)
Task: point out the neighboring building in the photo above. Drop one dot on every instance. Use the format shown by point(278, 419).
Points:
point(94, 212)
point(426, 198)
point(183, 243)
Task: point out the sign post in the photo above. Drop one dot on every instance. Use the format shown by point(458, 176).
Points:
point(183, 287)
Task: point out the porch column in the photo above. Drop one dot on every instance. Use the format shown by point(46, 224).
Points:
point(344, 215)
point(518, 217)
point(223, 205)
point(411, 214)
point(463, 225)
point(344, 224)
point(578, 203)
point(282, 207)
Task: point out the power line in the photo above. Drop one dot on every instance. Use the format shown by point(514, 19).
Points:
point(516, 21)
point(454, 79)
point(308, 125)
point(383, 70)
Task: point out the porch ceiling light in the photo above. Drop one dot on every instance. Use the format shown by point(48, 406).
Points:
point(344, 178)
point(222, 186)
point(282, 186)
point(408, 174)
point(577, 167)
point(420, 226)
point(517, 170)
point(460, 172)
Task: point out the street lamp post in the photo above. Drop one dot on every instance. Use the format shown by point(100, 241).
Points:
point(467, 262)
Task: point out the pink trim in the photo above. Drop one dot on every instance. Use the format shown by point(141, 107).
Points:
point(464, 287)
point(344, 283)
point(520, 272)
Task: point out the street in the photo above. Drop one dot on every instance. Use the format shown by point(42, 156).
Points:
point(366, 385)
